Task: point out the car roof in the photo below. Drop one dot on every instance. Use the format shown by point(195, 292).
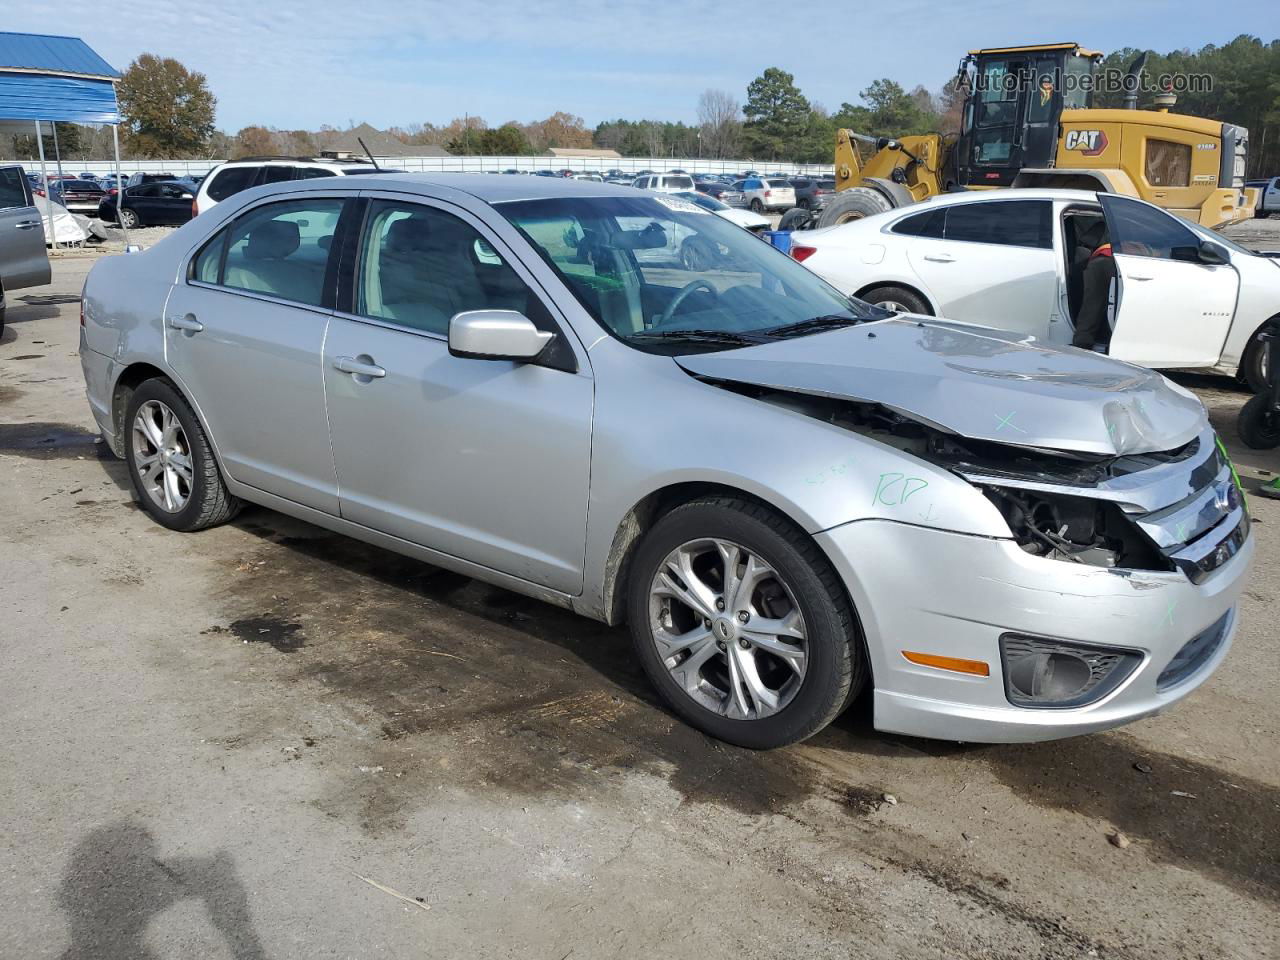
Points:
point(484, 188)
point(1011, 193)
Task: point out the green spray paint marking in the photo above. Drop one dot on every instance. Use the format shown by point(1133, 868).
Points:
point(1234, 476)
point(894, 488)
point(1007, 421)
point(1168, 614)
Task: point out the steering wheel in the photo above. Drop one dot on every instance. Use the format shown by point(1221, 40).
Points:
point(700, 284)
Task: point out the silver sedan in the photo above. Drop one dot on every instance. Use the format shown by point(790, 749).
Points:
point(789, 495)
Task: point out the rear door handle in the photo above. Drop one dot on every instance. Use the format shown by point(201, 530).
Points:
point(358, 368)
point(187, 322)
point(939, 258)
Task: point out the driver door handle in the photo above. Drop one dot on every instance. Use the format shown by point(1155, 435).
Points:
point(26, 225)
point(356, 368)
point(187, 322)
point(939, 258)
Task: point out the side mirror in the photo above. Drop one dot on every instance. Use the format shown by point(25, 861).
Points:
point(188, 196)
point(1213, 254)
point(496, 335)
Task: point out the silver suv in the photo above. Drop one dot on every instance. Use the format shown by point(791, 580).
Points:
point(788, 494)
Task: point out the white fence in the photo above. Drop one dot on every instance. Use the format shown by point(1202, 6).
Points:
point(463, 165)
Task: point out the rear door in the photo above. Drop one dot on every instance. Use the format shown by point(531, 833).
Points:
point(1174, 311)
point(994, 264)
point(23, 259)
point(172, 203)
point(245, 331)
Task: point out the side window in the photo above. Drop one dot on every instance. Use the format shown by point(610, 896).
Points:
point(419, 266)
point(13, 192)
point(1012, 223)
point(147, 190)
point(1143, 231)
point(231, 181)
point(208, 263)
point(1168, 164)
point(275, 174)
point(311, 173)
point(282, 249)
point(172, 191)
point(927, 224)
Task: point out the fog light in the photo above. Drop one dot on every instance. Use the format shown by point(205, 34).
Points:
point(1042, 672)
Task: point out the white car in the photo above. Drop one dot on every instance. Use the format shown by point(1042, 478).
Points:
point(1182, 295)
point(767, 193)
point(743, 218)
point(664, 182)
point(228, 179)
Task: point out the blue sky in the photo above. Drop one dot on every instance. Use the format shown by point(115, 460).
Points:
point(302, 63)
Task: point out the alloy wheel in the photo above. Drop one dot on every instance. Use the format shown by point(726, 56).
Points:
point(162, 456)
point(728, 629)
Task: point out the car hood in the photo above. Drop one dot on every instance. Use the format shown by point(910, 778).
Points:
point(976, 382)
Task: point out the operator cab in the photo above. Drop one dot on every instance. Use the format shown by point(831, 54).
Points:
point(1014, 102)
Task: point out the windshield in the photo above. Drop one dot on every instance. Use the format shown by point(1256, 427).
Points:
point(661, 273)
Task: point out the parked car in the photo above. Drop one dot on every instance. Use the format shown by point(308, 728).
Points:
point(1017, 259)
point(767, 193)
point(664, 182)
point(168, 202)
point(812, 193)
point(78, 196)
point(725, 427)
point(138, 179)
point(228, 179)
point(589, 177)
point(24, 261)
point(723, 192)
point(1268, 196)
point(743, 218)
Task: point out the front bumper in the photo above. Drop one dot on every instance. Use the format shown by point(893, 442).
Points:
point(949, 594)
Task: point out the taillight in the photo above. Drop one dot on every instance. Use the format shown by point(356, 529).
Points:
point(768, 193)
point(195, 211)
point(801, 254)
point(37, 191)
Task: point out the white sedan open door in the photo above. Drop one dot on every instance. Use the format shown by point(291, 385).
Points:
point(1177, 293)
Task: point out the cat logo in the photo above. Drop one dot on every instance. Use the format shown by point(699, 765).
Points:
point(1090, 143)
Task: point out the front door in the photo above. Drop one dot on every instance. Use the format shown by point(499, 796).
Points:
point(485, 460)
point(24, 261)
point(993, 264)
point(245, 334)
point(1173, 310)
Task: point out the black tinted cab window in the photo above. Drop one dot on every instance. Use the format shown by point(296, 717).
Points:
point(229, 182)
point(1013, 223)
point(1142, 231)
point(13, 191)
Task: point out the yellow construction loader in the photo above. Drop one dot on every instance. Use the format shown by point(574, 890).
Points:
point(1028, 120)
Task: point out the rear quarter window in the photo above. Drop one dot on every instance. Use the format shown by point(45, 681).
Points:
point(229, 182)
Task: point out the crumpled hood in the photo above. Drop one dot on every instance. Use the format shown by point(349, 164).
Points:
point(976, 382)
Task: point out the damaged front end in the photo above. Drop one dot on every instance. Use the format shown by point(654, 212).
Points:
point(1177, 509)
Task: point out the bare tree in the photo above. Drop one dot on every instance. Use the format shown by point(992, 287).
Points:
point(720, 121)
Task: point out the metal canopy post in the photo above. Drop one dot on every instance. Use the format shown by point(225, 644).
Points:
point(44, 180)
point(115, 140)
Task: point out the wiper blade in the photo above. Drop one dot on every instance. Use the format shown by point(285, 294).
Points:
point(696, 336)
point(816, 323)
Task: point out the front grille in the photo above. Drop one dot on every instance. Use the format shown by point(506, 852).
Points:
point(1195, 653)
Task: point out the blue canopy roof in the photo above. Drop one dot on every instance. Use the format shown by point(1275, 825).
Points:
point(55, 78)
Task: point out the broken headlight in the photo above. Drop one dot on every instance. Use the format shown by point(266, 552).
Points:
point(1041, 672)
point(1075, 529)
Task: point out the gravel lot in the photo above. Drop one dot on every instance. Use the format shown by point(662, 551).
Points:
point(267, 741)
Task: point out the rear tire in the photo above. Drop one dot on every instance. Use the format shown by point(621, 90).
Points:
point(163, 436)
point(1258, 424)
point(853, 204)
point(129, 219)
point(897, 299)
point(825, 665)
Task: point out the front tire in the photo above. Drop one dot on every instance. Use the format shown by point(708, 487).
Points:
point(764, 655)
point(853, 204)
point(1253, 366)
point(171, 463)
point(757, 207)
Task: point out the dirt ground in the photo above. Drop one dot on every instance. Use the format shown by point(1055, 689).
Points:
point(266, 741)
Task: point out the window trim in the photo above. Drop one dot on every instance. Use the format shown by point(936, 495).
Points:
point(353, 250)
